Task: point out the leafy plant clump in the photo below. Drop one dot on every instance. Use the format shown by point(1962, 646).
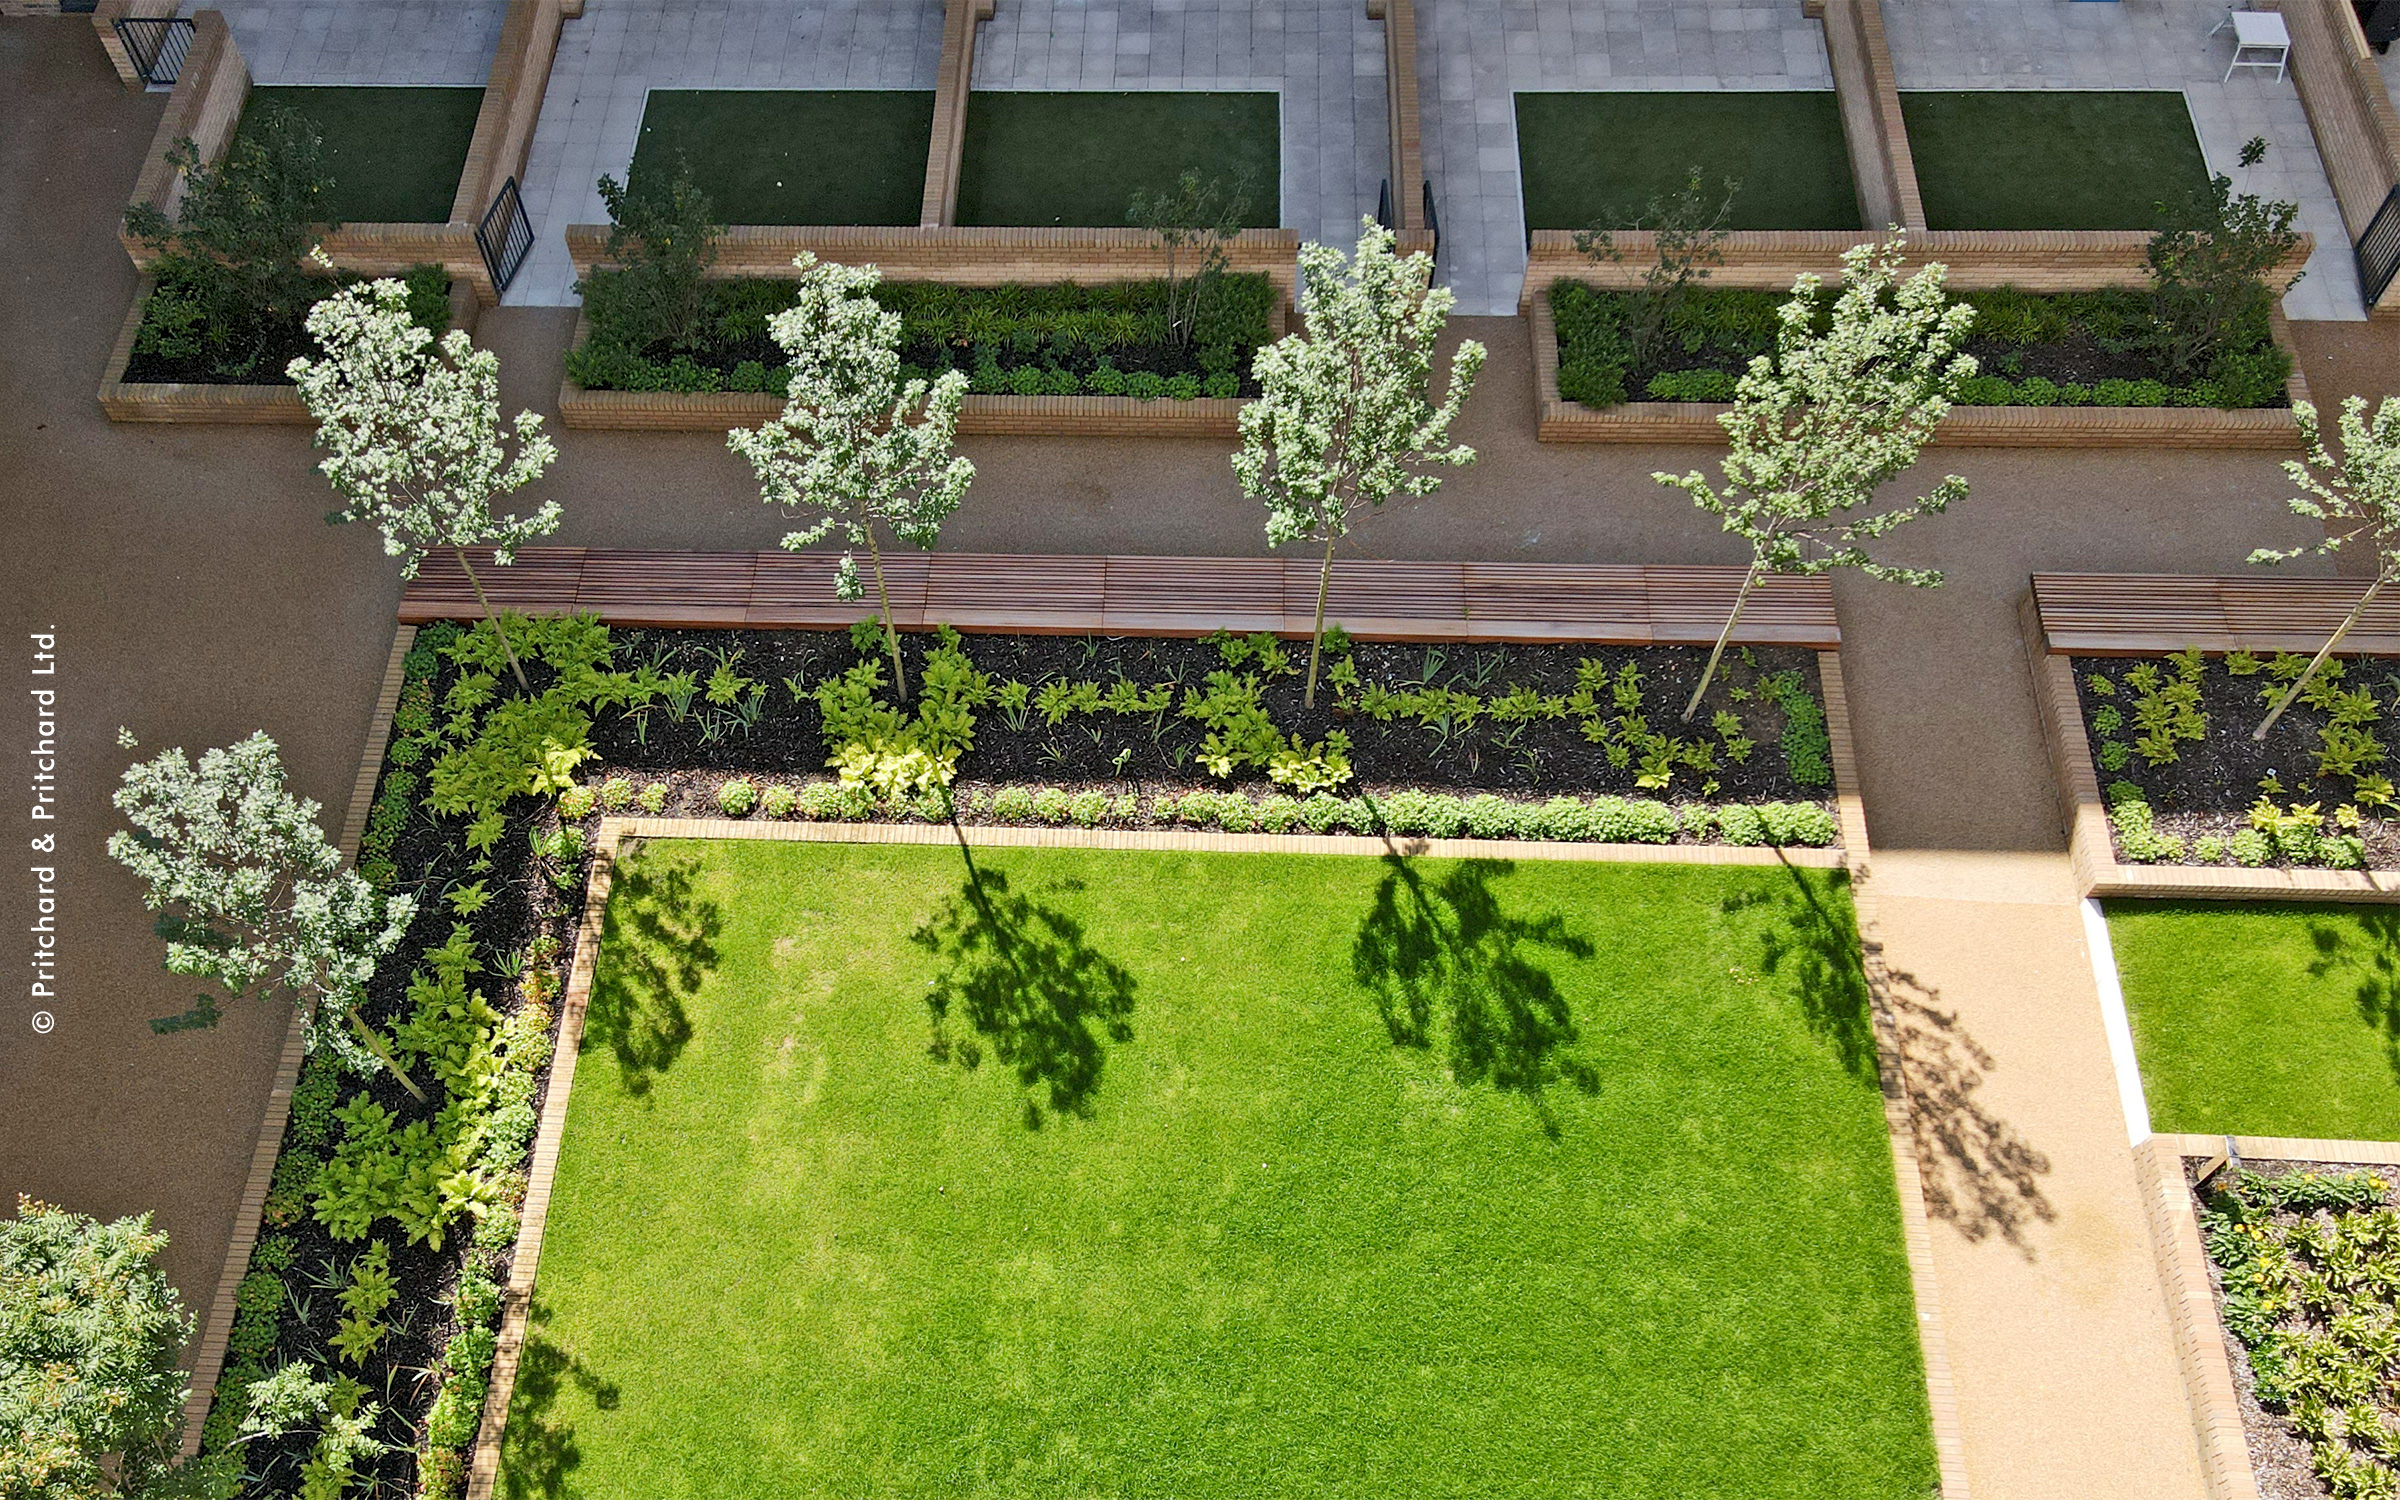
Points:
point(2310, 1262)
point(189, 334)
point(2098, 348)
point(2186, 783)
point(1142, 339)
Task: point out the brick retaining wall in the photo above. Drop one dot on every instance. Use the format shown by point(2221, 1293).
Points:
point(1882, 167)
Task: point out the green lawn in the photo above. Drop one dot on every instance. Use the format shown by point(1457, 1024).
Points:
point(1078, 158)
point(795, 156)
point(395, 154)
point(1188, 1212)
point(2051, 158)
point(2263, 1018)
point(1599, 158)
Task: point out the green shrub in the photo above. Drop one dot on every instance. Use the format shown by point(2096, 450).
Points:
point(777, 802)
point(736, 797)
point(1691, 385)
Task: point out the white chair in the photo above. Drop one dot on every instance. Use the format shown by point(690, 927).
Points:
point(2260, 32)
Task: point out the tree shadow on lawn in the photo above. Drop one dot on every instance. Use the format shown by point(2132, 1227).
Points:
point(541, 1447)
point(1019, 977)
point(662, 942)
point(2371, 948)
point(1446, 953)
point(1975, 1171)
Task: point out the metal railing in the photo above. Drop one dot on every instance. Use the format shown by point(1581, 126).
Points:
point(156, 45)
point(1383, 208)
point(504, 236)
point(1433, 221)
point(2378, 250)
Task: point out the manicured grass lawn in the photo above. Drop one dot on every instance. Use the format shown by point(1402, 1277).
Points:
point(795, 156)
point(2264, 1018)
point(2051, 158)
point(1599, 158)
point(395, 154)
point(1625, 1224)
point(1077, 159)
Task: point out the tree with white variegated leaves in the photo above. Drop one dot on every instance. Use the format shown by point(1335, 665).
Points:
point(865, 449)
point(1346, 417)
point(2356, 499)
point(416, 436)
point(249, 891)
point(1830, 418)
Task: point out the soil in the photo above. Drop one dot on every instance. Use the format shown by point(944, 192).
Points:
point(2279, 1456)
point(275, 346)
point(1540, 758)
point(2082, 360)
point(1165, 360)
point(2208, 789)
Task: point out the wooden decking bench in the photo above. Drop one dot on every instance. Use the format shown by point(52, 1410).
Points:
point(1190, 596)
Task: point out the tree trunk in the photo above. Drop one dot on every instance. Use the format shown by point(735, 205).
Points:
point(2318, 660)
point(1316, 638)
point(499, 626)
point(374, 1044)
point(1717, 652)
point(891, 637)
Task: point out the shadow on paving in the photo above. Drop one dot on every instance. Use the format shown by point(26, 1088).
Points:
point(637, 1007)
point(2371, 949)
point(1445, 954)
point(1977, 1173)
point(1019, 977)
point(542, 1452)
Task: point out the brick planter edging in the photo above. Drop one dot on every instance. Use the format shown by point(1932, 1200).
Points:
point(1557, 420)
point(208, 1356)
point(2091, 847)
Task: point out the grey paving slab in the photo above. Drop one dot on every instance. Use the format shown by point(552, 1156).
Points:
point(314, 42)
point(2144, 44)
point(1473, 56)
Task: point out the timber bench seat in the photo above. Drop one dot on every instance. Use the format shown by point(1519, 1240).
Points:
point(1189, 596)
point(2143, 614)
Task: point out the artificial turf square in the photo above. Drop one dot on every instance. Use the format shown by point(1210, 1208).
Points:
point(1076, 159)
point(1598, 158)
point(2263, 1018)
point(395, 154)
point(1224, 1175)
point(2051, 158)
point(794, 156)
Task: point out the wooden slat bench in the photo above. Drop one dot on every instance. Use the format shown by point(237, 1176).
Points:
point(1140, 595)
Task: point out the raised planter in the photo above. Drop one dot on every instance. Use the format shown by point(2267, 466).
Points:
point(979, 416)
point(199, 401)
point(1557, 420)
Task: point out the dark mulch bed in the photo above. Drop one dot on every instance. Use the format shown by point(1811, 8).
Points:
point(2279, 1456)
point(2081, 361)
point(1540, 757)
point(2208, 789)
point(257, 355)
point(935, 356)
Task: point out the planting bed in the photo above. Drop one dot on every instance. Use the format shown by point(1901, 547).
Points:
point(2051, 158)
point(1597, 158)
point(793, 156)
point(395, 154)
point(176, 342)
point(1061, 340)
point(2032, 349)
point(2263, 1018)
point(2186, 784)
point(1305, 1176)
point(1077, 159)
point(2303, 1260)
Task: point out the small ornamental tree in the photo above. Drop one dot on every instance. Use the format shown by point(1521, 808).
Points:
point(1346, 417)
point(414, 434)
point(91, 1401)
point(1832, 417)
point(866, 450)
point(2357, 499)
point(250, 893)
point(1193, 224)
point(1687, 237)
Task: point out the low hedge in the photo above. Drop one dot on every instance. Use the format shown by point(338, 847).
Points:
point(177, 341)
point(2031, 347)
point(1061, 340)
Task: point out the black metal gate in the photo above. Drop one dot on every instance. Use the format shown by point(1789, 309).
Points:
point(504, 236)
point(1433, 221)
point(1383, 208)
point(157, 45)
point(2379, 249)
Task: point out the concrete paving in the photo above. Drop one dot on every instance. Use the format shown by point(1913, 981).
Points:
point(316, 42)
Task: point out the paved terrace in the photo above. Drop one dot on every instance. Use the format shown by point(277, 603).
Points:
point(199, 596)
point(425, 43)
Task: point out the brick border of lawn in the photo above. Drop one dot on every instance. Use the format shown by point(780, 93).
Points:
point(2200, 1346)
point(517, 1298)
point(2091, 847)
point(208, 1358)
